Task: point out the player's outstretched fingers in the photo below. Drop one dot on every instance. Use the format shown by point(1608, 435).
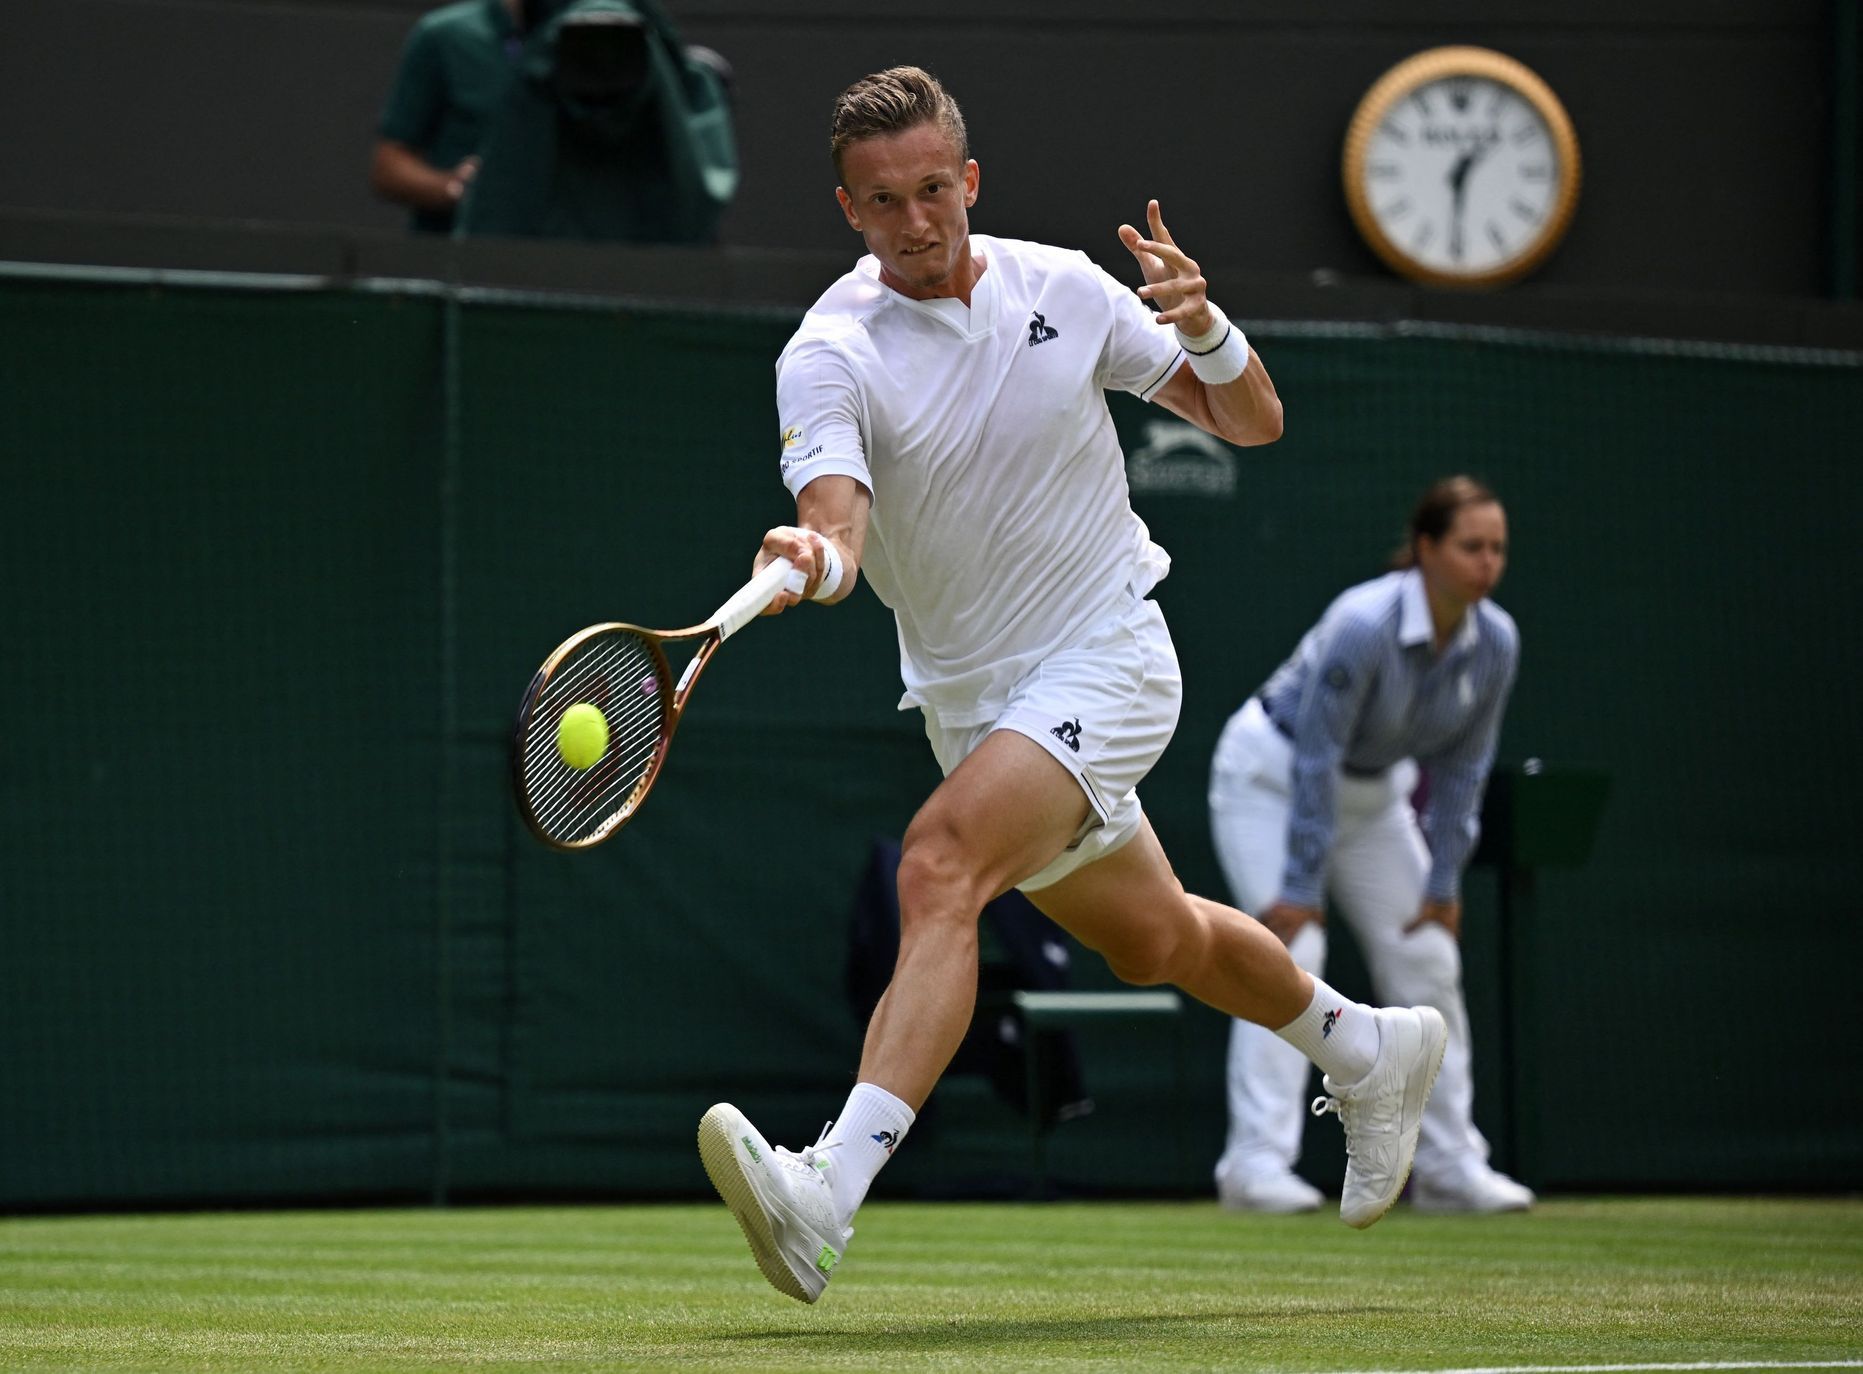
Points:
point(1155, 217)
point(1168, 253)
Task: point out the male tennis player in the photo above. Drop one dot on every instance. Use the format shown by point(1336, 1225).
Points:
point(945, 430)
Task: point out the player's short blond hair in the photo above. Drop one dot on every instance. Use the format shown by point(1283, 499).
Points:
point(891, 102)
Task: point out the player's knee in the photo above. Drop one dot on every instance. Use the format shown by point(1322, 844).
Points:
point(936, 884)
point(1144, 968)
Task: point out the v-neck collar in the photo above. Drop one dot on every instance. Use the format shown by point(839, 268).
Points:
point(969, 323)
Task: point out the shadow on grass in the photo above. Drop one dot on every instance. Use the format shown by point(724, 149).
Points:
point(941, 1333)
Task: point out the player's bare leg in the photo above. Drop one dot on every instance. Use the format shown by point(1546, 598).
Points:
point(1130, 906)
point(1005, 812)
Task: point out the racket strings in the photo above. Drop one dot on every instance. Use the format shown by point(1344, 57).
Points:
point(569, 802)
point(621, 676)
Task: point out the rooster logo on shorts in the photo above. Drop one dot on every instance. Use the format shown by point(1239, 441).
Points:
point(1068, 732)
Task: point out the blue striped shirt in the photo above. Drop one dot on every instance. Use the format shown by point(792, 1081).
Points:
point(1365, 690)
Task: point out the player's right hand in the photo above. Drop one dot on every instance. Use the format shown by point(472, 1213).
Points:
point(801, 547)
point(1286, 918)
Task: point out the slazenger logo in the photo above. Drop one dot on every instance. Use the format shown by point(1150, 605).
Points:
point(792, 436)
point(1178, 459)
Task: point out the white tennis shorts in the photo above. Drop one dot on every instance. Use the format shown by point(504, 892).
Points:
point(1105, 707)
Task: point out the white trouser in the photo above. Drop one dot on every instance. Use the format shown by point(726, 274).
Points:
point(1375, 876)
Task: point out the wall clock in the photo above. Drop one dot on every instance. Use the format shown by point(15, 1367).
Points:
point(1461, 168)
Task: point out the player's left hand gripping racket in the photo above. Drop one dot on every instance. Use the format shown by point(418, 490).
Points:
point(622, 671)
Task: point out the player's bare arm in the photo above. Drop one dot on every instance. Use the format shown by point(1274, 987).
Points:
point(829, 510)
point(1243, 411)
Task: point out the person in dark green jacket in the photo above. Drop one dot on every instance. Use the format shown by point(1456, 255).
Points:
point(587, 119)
point(454, 71)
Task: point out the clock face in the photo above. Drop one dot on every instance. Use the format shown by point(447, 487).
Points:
point(1459, 174)
point(1462, 174)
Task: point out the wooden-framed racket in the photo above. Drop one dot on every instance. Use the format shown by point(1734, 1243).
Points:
point(622, 671)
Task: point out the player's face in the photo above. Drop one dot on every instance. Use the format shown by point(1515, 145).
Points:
point(909, 194)
point(1467, 562)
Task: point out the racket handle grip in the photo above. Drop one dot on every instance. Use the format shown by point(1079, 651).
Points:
point(748, 601)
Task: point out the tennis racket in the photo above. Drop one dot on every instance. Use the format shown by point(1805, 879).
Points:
point(622, 671)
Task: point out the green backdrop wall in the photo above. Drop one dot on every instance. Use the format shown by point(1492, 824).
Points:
point(277, 564)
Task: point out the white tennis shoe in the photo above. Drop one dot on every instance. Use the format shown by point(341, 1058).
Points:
point(780, 1199)
point(1383, 1112)
point(1476, 1189)
point(1279, 1191)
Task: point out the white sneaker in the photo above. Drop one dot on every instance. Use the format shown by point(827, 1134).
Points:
point(780, 1199)
point(1383, 1111)
point(1480, 1189)
point(1281, 1192)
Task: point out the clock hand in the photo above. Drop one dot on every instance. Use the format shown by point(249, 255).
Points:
point(1458, 190)
point(1458, 186)
point(1458, 174)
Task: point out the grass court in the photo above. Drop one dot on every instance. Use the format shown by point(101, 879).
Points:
point(1607, 1282)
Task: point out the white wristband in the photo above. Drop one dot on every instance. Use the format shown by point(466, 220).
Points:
point(1219, 355)
point(826, 554)
point(831, 570)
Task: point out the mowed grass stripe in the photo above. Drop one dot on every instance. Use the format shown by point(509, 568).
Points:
point(1580, 1283)
point(1628, 1368)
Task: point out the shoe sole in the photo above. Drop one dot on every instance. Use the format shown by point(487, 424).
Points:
point(1435, 1042)
point(718, 1133)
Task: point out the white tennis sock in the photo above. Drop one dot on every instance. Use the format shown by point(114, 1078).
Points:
point(866, 1133)
point(1336, 1033)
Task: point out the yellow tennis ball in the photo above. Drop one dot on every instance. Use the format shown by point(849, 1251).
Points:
point(582, 735)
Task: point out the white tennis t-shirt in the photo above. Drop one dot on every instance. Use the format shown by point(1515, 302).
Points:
point(1001, 526)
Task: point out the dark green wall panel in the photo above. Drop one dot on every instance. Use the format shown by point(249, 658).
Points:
point(217, 535)
point(278, 565)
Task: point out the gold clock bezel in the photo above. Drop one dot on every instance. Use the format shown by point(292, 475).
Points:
point(1436, 64)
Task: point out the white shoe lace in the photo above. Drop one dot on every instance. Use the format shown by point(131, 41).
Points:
point(810, 1159)
point(821, 1147)
point(1324, 1104)
point(1354, 1115)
